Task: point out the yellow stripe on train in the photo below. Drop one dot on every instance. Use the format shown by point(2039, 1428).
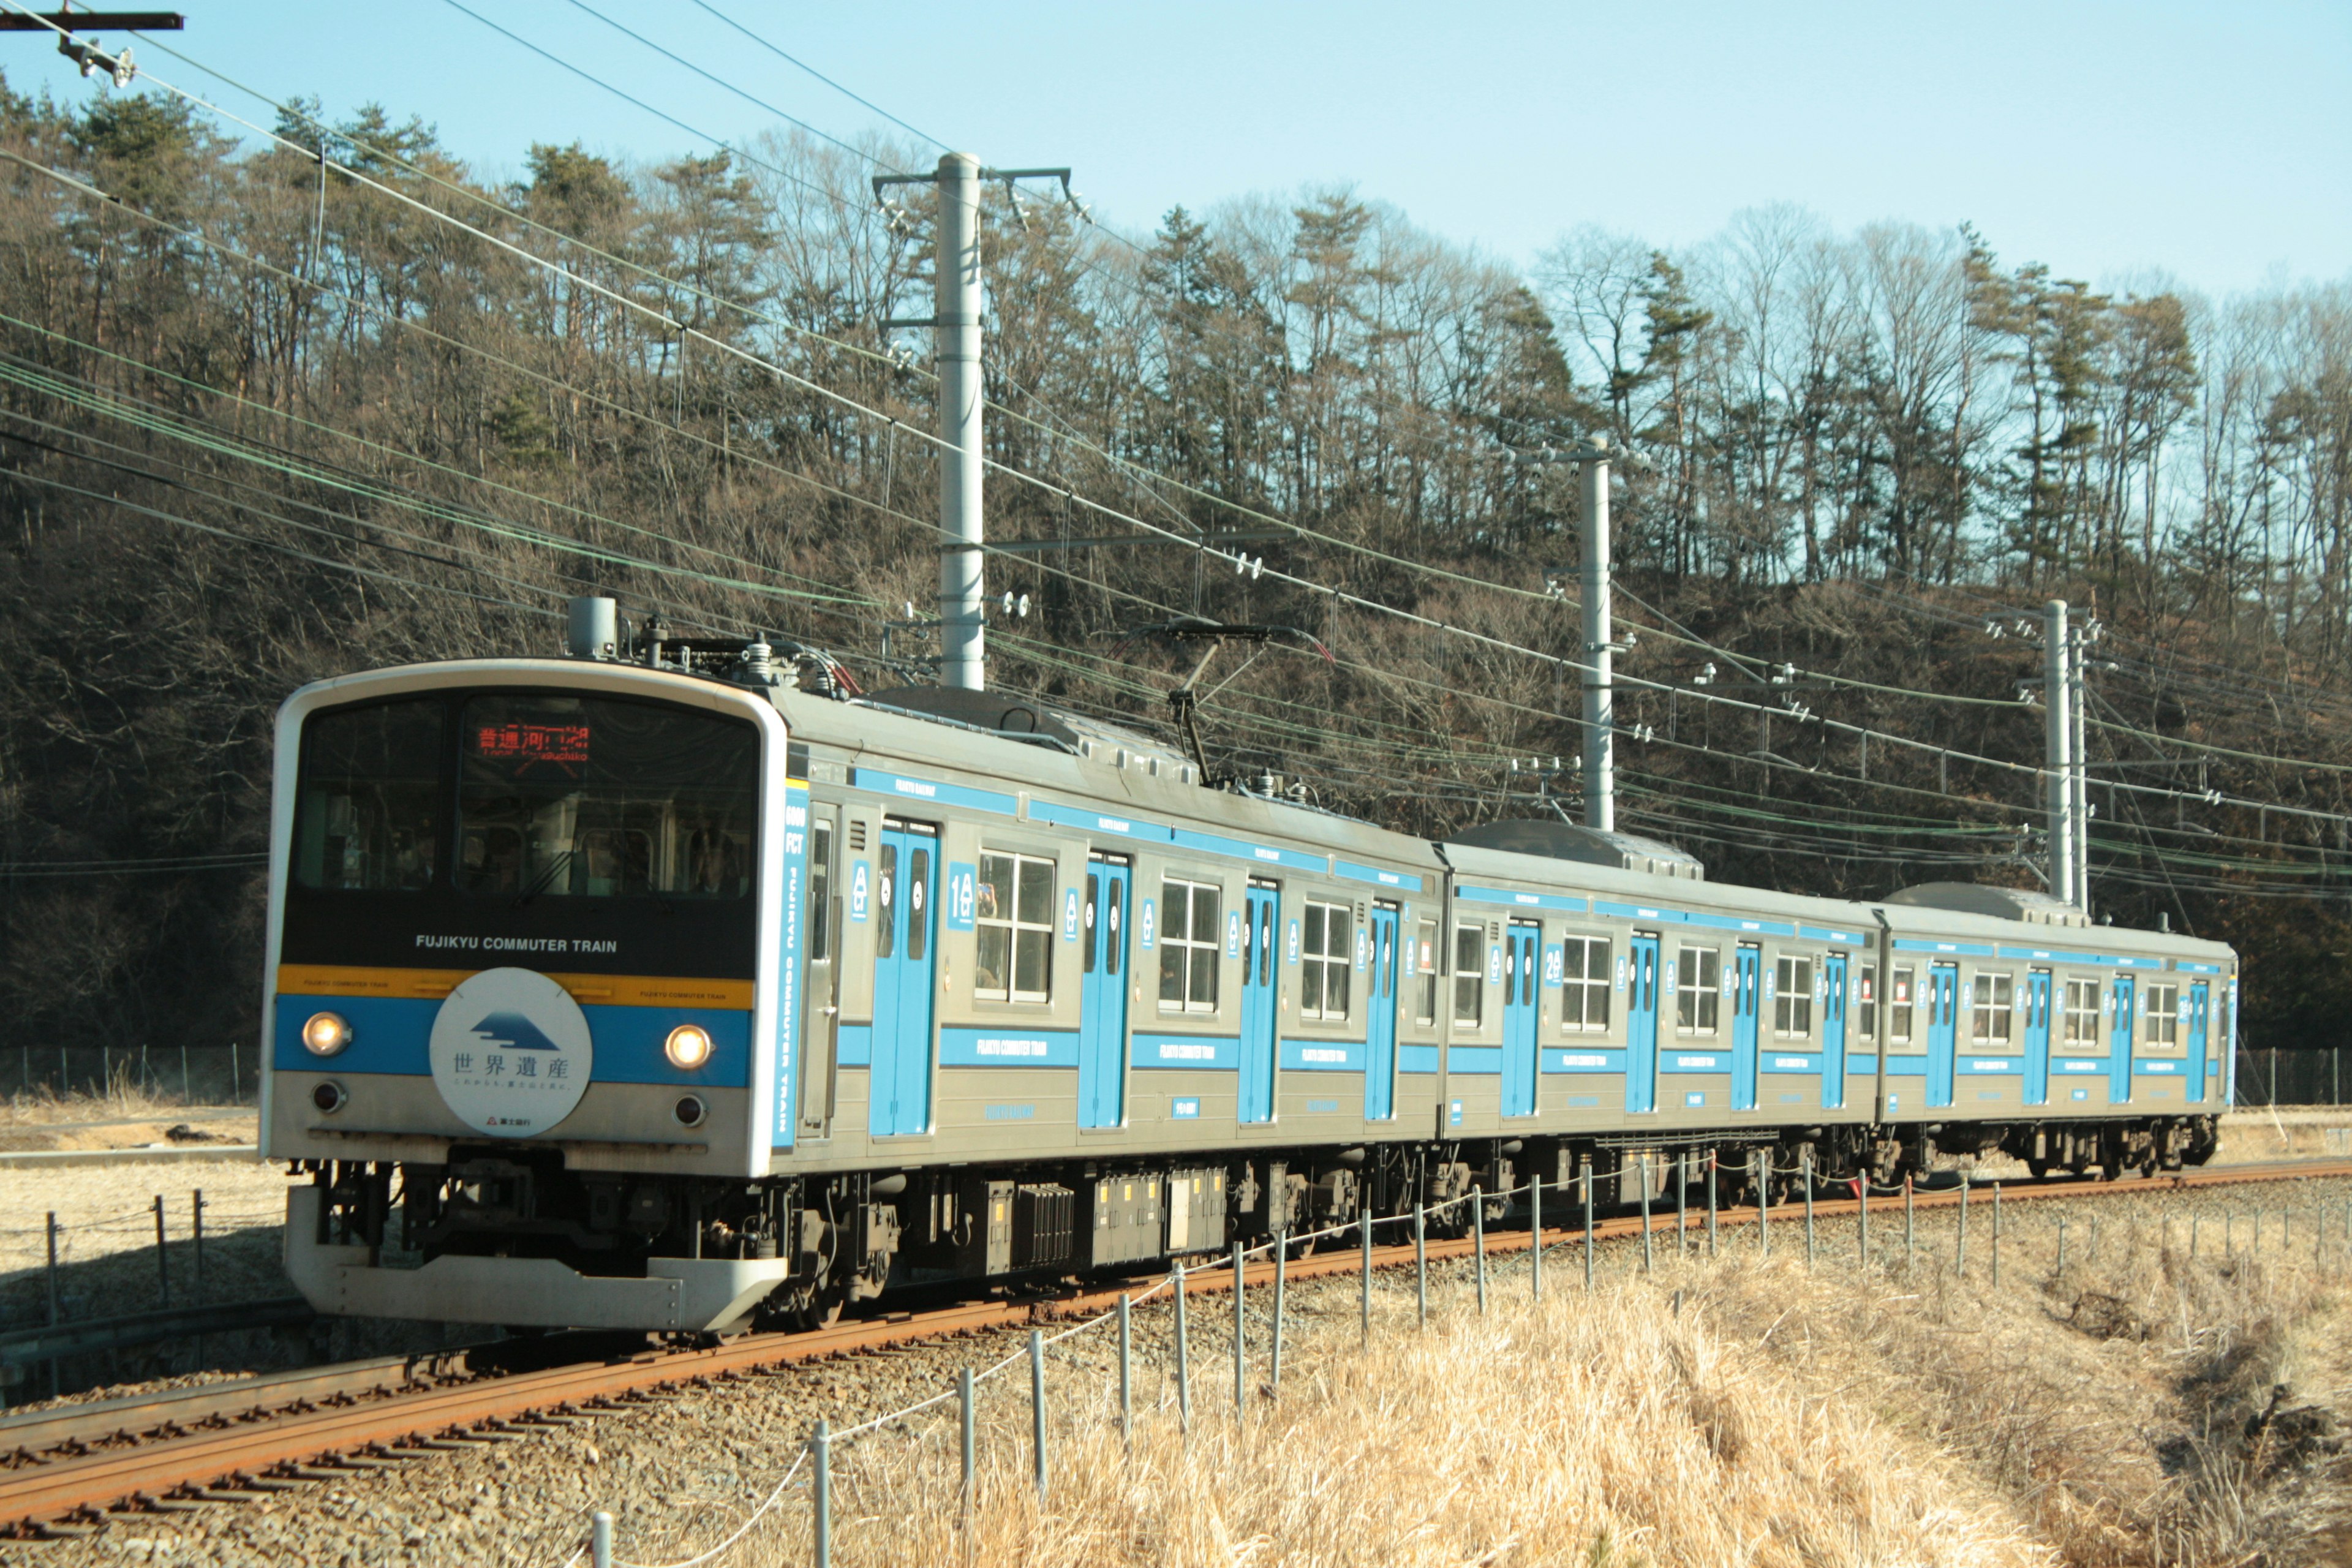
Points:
point(605, 990)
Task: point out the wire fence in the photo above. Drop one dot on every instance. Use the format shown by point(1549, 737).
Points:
point(2239, 1231)
point(192, 1075)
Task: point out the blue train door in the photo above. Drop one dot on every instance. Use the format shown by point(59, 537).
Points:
point(904, 959)
point(1745, 997)
point(1833, 1031)
point(1641, 1025)
point(1519, 1010)
point(2199, 1011)
point(1261, 1019)
point(1102, 1010)
point(2037, 1037)
point(1379, 1025)
point(1943, 1041)
point(2119, 1042)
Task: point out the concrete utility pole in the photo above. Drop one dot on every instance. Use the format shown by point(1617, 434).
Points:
point(2058, 748)
point(958, 300)
point(2081, 805)
point(1600, 650)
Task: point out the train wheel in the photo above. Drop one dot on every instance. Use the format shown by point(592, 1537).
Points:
point(2038, 1168)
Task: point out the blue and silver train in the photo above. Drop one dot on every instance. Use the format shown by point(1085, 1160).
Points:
point(665, 988)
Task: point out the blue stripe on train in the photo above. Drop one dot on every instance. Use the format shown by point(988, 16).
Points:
point(393, 1035)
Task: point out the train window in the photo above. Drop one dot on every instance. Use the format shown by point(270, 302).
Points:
point(918, 912)
point(2163, 1014)
point(886, 898)
point(1867, 1002)
point(1699, 982)
point(591, 796)
point(820, 886)
point(1584, 980)
point(1015, 926)
point(1425, 965)
point(1188, 946)
point(1792, 999)
point(371, 801)
point(1469, 974)
point(1996, 1009)
point(2083, 1011)
point(1324, 955)
point(1900, 1004)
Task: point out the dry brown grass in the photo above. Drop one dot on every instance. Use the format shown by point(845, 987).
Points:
point(2141, 1408)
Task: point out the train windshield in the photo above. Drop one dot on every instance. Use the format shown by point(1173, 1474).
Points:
point(369, 811)
point(588, 796)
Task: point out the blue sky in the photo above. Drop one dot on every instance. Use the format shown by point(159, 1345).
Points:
point(2209, 142)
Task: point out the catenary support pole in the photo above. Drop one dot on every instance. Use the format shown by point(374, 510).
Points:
point(958, 299)
point(1599, 713)
point(2058, 749)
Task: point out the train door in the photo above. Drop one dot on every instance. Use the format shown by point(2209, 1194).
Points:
point(2199, 1012)
point(1745, 999)
point(1260, 1017)
point(905, 959)
point(1943, 1032)
point(2037, 1037)
point(1381, 1022)
point(2119, 1041)
point(1522, 942)
point(1642, 1024)
point(1832, 1031)
point(1102, 1004)
point(821, 1000)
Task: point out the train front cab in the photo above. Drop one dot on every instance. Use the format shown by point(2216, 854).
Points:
point(526, 944)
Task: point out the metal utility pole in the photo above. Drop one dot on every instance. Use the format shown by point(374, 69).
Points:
point(2058, 748)
point(958, 301)
point(1600, 651)
point(2080, 804)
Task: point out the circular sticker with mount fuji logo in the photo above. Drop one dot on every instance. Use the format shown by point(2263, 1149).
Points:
point(511, 1053)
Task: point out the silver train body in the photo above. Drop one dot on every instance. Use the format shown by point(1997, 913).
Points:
point(605, 994)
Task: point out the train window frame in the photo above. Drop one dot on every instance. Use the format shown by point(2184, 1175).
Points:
point(1470, 978)
point(1992, 1013)
point(824, 919)
point(1326, 953)
point(2086, 1001)
point(438, 814)
point(1426, 966)
point(1865, 1000)
point(1698, 990)
point(1192, 956)
point(1018, 922)
point(2163, 1023)
point(1903, 1004)
point(1792, 995)
point(1585, 982)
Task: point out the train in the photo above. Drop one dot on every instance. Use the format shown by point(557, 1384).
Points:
point(674, 986)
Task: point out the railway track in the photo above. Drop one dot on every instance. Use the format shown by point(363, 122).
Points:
point(62, 1470)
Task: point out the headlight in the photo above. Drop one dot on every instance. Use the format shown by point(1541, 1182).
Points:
point(326, 1034)
point(688, 1048)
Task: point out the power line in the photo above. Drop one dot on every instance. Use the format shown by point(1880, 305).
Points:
point(820, 76)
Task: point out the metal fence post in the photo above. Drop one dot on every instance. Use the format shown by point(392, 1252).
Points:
point(821, 1491)
point(600, 1540)
point(163, 1257)
point(1682, 1205)
point(1760, 1162)
point(1241, 1305)
point(1367, 1273)
point(1996, 1236)
point(185, 1097)
point(1281, 1265)
point(1806, 1176)
point(196, 1234)
point(1710, 1202)
point(2061, 1247)
point(1909, 1234)
point(1037, 1403)
point(1420, 1262)
point(1587, 1226)
point(1862, 1217)
point(968, 1426)
point(1479, 1233)
point(2194, 1220)
point(236, 1077)
point(1126, 1371)
point(1183, 1363)
point(1535, 1233)
point(56, 1305)
point(1962, 1255)
point(1646, 1212)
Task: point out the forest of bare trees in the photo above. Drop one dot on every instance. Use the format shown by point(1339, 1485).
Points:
point(269, 416)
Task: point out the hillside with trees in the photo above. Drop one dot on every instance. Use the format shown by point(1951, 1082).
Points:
point(265, 416)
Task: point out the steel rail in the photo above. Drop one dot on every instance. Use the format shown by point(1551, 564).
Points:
point(271, 1450)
